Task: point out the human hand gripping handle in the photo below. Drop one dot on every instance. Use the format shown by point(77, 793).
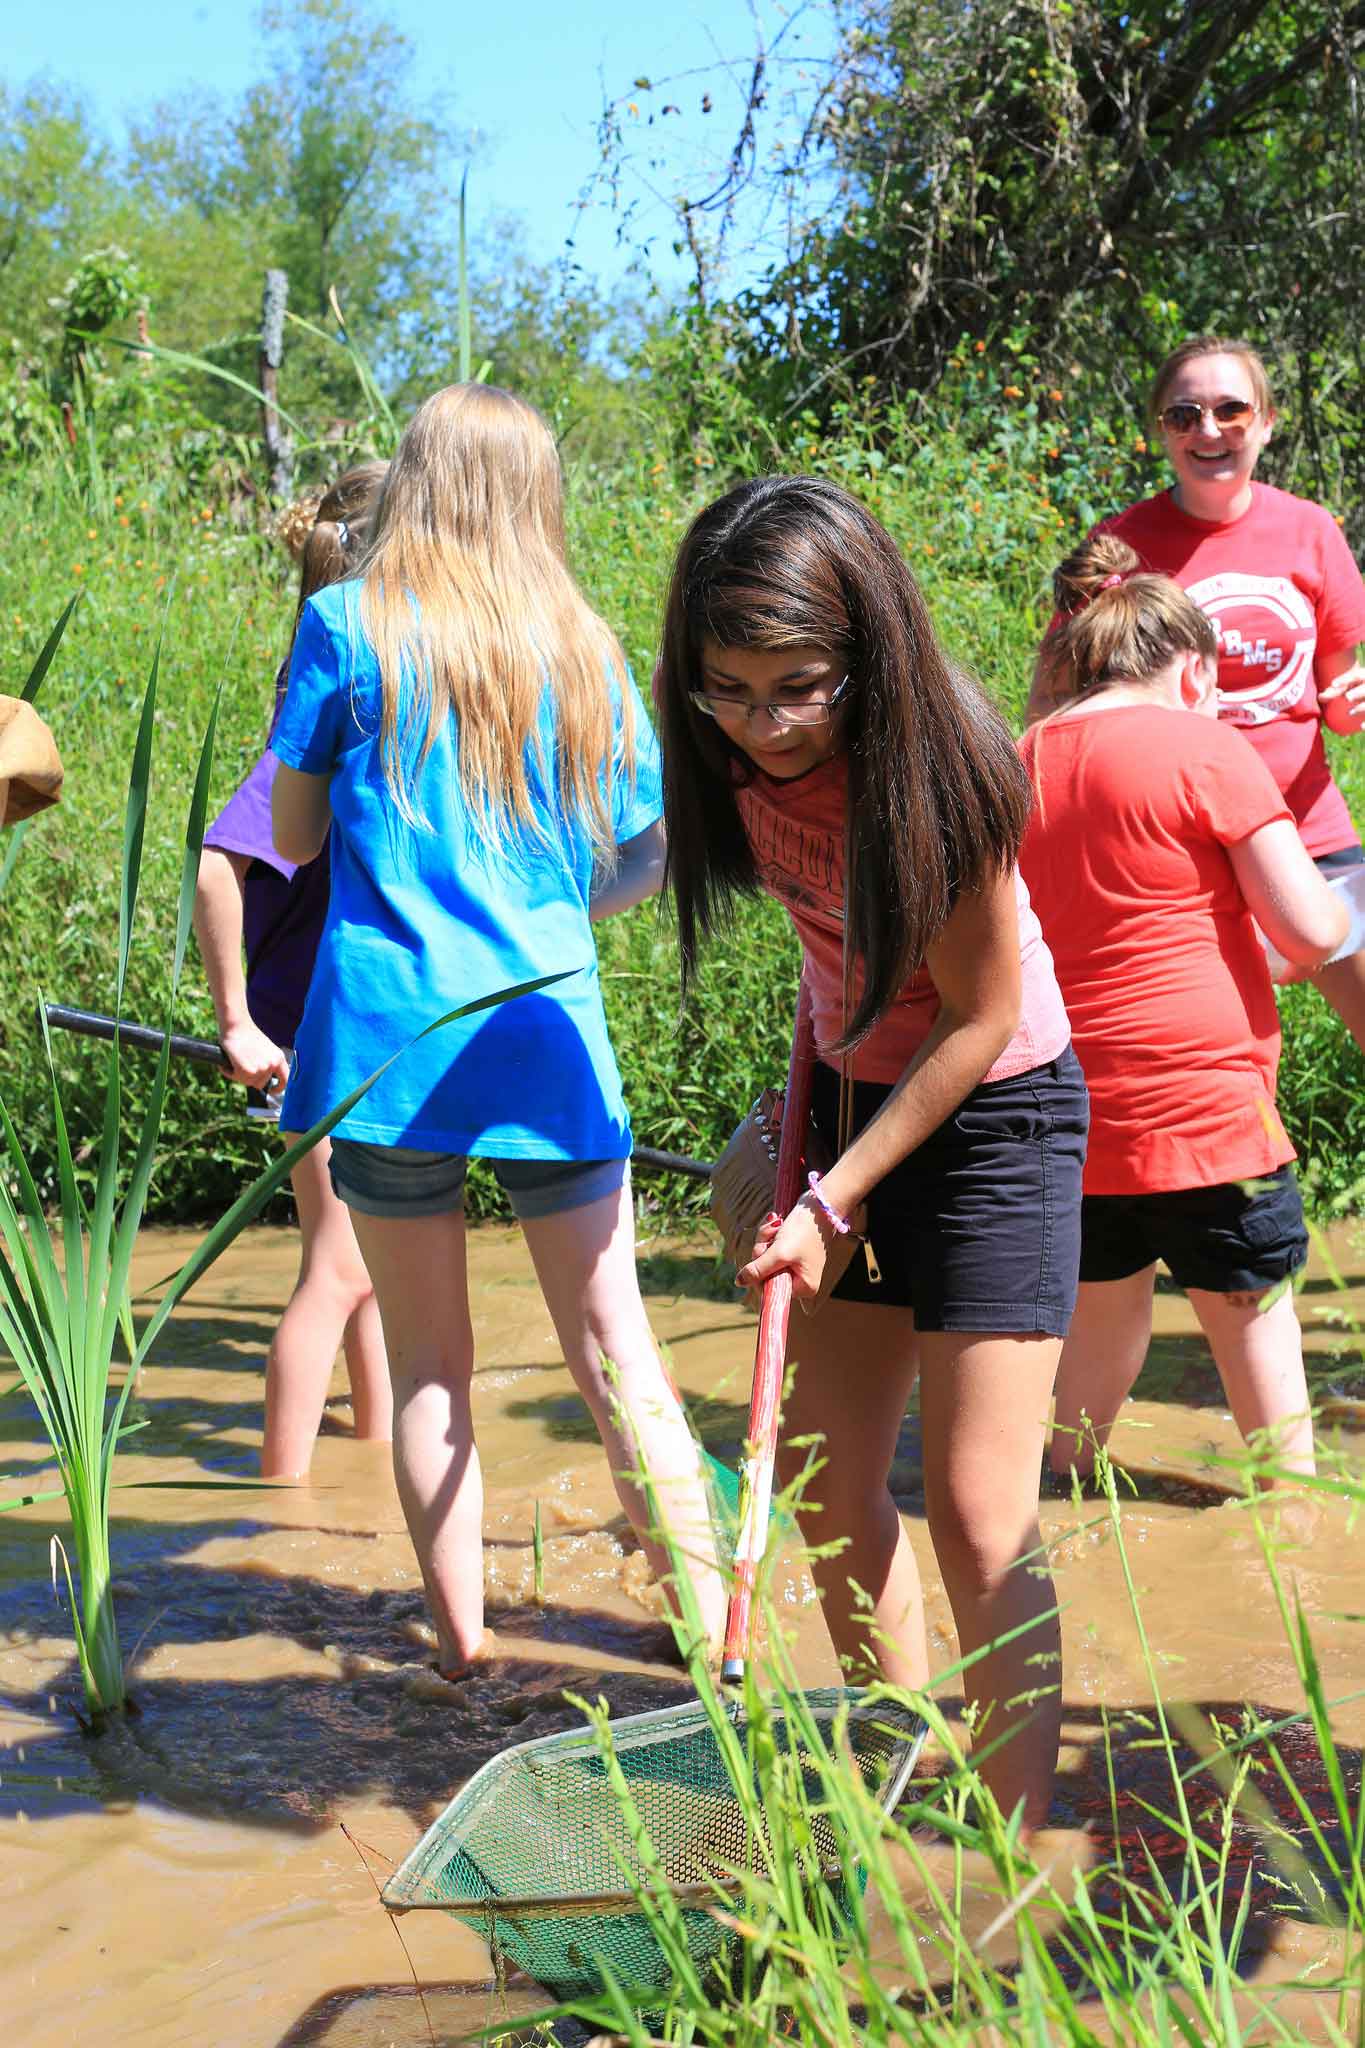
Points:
point(254, 1058)
point(756, 1476)
point(796, 1244)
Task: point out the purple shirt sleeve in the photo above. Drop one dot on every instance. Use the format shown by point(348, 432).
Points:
point(243, 824)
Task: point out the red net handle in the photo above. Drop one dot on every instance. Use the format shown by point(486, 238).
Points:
point(756, 1476)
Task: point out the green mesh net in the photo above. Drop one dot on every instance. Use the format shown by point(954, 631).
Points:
point(537, 1853)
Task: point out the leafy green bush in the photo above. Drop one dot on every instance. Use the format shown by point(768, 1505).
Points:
point(970, 493)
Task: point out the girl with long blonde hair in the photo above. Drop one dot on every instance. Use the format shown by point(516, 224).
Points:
point(467, 725)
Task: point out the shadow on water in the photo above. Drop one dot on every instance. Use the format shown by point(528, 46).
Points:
point(1119, 1794)
point(721, 1426)
point(447, 2015)
point(219, 1436)
point(702, 1275)
point(288, 1748)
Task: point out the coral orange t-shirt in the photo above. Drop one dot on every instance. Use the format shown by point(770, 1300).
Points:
point(796, 831)
point(1282, 588)
point(1172, 1013)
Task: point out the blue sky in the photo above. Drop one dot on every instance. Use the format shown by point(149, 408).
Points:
point(527, 82)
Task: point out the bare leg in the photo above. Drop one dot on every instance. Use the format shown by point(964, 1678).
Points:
point(1259, 1355)
point(984, 1404)
point(418, 1267)
point(332, 1301)
point(1343, 984)
point(1101, 1360)
point(367, 1365)
point(585, 1261)
point(854, 1369)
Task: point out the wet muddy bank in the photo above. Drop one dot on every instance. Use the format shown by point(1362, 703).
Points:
point(186, 1878)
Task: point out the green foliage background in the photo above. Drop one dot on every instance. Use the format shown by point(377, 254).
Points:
point(981, 495)
point(974, 288)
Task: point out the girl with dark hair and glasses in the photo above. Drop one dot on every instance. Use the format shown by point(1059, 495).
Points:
point(1287, 601)
point(813, 729)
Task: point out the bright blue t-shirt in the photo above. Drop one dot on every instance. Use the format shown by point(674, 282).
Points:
point(424, 918)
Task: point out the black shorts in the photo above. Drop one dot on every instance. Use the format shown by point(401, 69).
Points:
point(1337, 862)
point(979, 1227)
point(1237, 1237)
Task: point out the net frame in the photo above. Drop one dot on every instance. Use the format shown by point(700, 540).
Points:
point(550, 1808)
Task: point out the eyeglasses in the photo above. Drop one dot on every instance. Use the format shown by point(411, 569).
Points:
point(809, 711)
point(1229, 415)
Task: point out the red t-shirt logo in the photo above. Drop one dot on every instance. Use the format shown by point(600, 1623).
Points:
point(1267, 637)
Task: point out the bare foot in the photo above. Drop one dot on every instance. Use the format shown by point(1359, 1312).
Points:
point(453, 1670)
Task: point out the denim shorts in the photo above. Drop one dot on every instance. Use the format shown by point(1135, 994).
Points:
point(979, 1228)
point(1237, 1237)
point(395, 1180)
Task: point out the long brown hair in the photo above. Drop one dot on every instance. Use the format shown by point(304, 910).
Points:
point(471, 610)
point(336, 542)
point(937, 795)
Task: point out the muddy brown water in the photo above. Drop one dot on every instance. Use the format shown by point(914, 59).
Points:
point(186, 1879)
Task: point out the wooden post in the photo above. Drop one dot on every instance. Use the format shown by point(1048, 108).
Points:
point(279, 449)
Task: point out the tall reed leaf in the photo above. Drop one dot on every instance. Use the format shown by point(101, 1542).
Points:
point(466, 343)
point(49, 648)
point(29, 692)
point(59, 1320)
point(179, 359)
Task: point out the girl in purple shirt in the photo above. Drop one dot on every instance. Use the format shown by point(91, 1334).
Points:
point(248, 892)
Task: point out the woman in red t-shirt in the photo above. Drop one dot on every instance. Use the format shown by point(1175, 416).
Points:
point(1275, 575)
point(806, 705)
point(1155, 839)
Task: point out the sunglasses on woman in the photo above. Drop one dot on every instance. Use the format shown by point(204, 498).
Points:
point(804, 711)
point(1229, 415)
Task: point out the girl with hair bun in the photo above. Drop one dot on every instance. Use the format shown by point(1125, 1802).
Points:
point(1287, 601)
point(1157, 836)
point(820, 746)
point(248, 894)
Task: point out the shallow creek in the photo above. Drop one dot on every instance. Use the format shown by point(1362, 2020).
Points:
point(186, 1879)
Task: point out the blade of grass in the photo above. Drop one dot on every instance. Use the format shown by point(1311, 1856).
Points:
point(49, 648)
point(183, 361)
point(379, 405)
point(134, 823)
point(466, 339)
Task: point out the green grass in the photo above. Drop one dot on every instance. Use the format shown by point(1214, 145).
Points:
point(148, 555)
point(939, 1927)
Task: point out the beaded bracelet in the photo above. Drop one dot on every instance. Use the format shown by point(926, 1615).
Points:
point(836, 1221)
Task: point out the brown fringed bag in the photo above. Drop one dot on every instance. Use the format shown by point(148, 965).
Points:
point(30, 766)
point(744, 1178)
